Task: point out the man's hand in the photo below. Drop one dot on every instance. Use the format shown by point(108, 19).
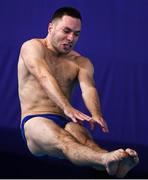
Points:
point(75, 115)
point(99, 120)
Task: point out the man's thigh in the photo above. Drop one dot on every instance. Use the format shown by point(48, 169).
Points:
point(43, 136)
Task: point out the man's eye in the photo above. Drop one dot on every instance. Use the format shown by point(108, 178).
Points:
point(66, 31)
point(76, 34)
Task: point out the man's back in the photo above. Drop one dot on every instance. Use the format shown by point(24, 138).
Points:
point(63, 68)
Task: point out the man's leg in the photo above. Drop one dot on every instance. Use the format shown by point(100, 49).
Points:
point(44, 137)
point(85, 138)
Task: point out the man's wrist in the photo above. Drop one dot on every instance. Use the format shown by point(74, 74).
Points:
point(66, 106)
point(98, 114)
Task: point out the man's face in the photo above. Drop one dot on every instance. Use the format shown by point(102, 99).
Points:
point(64, 33)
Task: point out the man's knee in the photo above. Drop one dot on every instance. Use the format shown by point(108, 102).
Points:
point(69, 126)
point(73, 127)
point(77, 129)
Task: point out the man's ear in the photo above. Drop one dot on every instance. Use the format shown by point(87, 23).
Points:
point(50, 26)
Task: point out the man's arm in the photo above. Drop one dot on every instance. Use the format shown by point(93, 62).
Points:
point(89, 92)
point(32, 53)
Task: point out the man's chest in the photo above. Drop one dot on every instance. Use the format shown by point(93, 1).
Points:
point(65, 71)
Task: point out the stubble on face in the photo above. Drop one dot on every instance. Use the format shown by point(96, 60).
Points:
point(58, 35)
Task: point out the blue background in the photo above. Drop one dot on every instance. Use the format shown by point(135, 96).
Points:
point(114, 37)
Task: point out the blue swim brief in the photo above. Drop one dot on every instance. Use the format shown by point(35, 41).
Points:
point(60, 120)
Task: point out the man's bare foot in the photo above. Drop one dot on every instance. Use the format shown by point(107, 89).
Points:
point(112, 159)
point(100, 167)
point(128, 163)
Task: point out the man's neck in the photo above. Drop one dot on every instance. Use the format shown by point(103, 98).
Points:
point(53, 51)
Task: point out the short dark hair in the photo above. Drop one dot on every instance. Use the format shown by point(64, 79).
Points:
point(69, 11)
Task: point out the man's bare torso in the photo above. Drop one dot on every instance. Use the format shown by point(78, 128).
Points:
point(33, 98)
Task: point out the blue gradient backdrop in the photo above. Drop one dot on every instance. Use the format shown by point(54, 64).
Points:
point(114, 36)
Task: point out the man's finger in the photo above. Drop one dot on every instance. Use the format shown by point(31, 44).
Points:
point(103, 125)
point(92, 124)
point(74, 119)
point(85, 116)
point(78, 116)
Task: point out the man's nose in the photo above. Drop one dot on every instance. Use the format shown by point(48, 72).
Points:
point(70, 37)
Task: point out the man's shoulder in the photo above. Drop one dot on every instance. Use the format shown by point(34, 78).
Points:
point(32, 47)
point(35, 43)
point(79, 57)
point(82, 60)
